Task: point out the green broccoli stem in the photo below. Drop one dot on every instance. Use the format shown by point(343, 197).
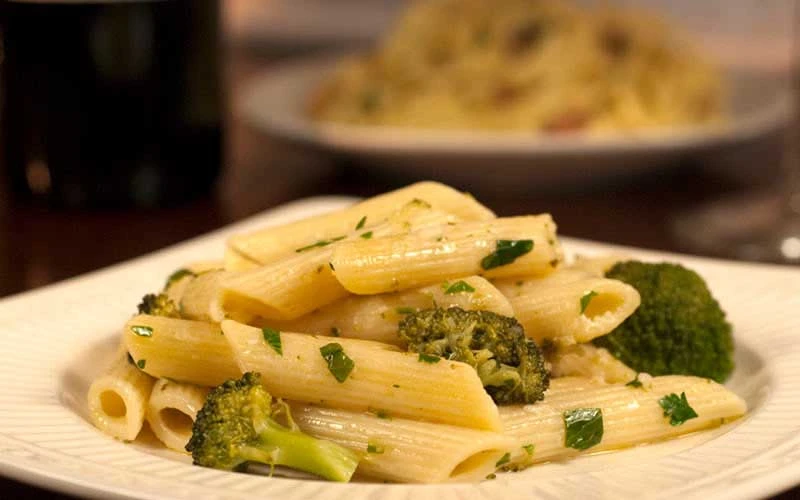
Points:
point(296, 450)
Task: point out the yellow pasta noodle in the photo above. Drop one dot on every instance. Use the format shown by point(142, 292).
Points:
point(589, 361)
point(382, 378)
point(188, 351)
point(375, 317)
point(452, 251)
point(305, 280)
point(270, 244)
point(569, 306)
point(172, 409)
point(117, 399)
point(630, 415)
point(405, 450)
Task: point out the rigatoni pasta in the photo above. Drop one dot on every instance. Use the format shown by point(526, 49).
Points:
point(171, 410)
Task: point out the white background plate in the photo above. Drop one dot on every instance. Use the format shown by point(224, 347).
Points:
point(54, 340)
point(276, 102)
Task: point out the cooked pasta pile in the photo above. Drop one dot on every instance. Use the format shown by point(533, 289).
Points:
point(288, 298)
point(545, 66)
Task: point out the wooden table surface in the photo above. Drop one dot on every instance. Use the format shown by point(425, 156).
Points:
point(39, 246)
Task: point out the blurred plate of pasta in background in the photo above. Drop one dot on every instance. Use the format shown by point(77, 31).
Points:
point(543, 91)
point(50, 360)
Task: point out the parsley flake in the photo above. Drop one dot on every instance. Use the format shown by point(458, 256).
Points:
point(361, 223)
point(142, 331)
point(635, 383)
point(177, 275)
point(528, 449)
point(677, 408)
point(273, 339)
point(427, 358)
point(375, 448)
point(458, 287)
point(141, 364)
point(584, 428)
point(503, 460)
point(319, 244)
point(339, 364)
point(367, 235)
point(506, 252)
point(405, 310)
point(586, 299)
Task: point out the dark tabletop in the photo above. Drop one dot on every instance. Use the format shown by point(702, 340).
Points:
point(40, 246)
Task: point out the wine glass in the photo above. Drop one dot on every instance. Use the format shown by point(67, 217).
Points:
point(759, 227)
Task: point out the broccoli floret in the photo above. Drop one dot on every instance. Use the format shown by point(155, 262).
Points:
point(158, 305)
point(510, 366)
point(679, 328)
point(236, 425)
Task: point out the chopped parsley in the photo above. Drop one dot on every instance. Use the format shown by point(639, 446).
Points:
point(335, 331)
point(375, 448)
point(381, 413)
point(528, 449)
point(361, 223)
point(503, 460)
point(583, 428)
point(506, 252)
point(141, 364)
point(677, 408)
point(491, 476)
point(405, 310)
point(458, 287)
point(142, 331)
point(339, 364)
point(273, 339)
point(319, 244)
point(635, 383)
point(427, 358)
point(586, 299)
point(367, 235)
point(177, 275)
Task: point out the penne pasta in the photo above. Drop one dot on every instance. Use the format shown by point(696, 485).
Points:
point(304, 281)
point(629, 415)
point(375, 317)
point(199, 298)
point(172, 409)
point(569, 306)
point(273, 243)
point(589, 361)
point(235, 261)
point(178, 349)
point(403, 450)
point(513, 246)
point(382, 378)
point(597, 265)
point(117, 399)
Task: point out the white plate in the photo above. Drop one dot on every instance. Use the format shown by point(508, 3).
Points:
point(276, 101)
point(54, 340)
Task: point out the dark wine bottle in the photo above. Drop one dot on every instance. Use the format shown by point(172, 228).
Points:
point(111, 103)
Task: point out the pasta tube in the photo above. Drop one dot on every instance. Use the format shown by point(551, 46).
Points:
point(630, 415)
point(379, 378)
point(188, 351)
point(375, 317)
point(117, 399)
point(172, 409)
point(409, 451)
point(589, 361)
point(513, 246)
point(304, 281)
point(273, 243)
point(569, 306)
